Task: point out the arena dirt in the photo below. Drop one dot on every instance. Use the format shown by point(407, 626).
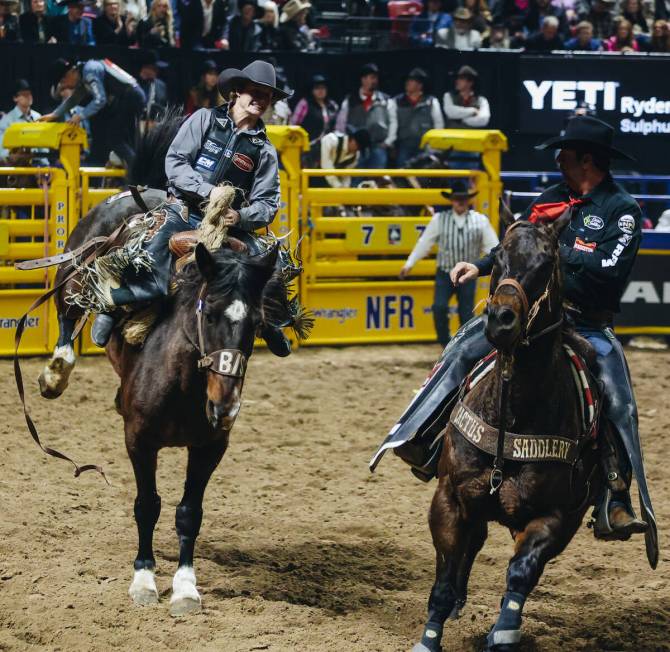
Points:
point(301, 548)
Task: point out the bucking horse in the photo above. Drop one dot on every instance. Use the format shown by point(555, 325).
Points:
point(182, 386)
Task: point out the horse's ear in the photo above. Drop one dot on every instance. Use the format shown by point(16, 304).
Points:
point(561, 222)
point(205, 261)
point(506, 214)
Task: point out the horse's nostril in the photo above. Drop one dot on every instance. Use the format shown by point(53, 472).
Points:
point(507, 317)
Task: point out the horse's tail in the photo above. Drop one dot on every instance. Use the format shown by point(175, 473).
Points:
point(148, 166)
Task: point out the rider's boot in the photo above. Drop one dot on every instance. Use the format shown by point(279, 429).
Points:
point(102, 328)
point(277, 342)
point(614, 516)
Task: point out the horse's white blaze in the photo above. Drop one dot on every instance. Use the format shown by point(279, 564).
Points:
point(143, 587)
point(236, 311)
point(185, 597)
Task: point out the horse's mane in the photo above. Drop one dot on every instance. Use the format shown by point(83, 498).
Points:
point(148, 166)
point(236, 273)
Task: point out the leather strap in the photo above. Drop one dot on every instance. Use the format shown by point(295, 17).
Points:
point(20, 328)
point(139, 200)
point(225, 362)
point(58, 259)
point(516, 448)
point(510, 282)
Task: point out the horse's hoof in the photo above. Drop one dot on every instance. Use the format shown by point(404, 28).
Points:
point(420, 647)
point(46, 390)
point(185, 606)
point(143, 589)
point(503, 641)
point(144, 596)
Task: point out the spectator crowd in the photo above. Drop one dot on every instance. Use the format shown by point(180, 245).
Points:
point(299, 25)
point(368, 128)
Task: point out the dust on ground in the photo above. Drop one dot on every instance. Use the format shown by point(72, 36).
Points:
point(301, 547)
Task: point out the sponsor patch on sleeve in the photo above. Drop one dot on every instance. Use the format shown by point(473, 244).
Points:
point(580, 245)
point(627, 224)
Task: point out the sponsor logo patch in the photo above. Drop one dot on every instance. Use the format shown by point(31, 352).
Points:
point(580, 245)
point(627, 224)
point(243, 162)
point(593, 222)
point(257, 141)
point(211, 147)
point(205, 162)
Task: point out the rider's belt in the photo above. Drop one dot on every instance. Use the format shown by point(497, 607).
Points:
point(518, 448)
point(595, 318)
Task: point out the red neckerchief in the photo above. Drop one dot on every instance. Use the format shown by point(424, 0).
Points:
point(414, 102)
point(367, 100)
point(553, 210)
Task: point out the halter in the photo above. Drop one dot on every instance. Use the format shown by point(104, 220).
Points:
point(529, 312)
point(225, 362)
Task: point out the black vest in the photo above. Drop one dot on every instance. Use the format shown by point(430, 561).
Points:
point(376, 120)
point(414, 120)
point(229, 155)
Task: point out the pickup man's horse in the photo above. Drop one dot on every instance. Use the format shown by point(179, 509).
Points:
point(541, 502)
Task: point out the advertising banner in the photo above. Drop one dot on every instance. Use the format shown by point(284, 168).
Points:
point(624, 92)
point(645, 304)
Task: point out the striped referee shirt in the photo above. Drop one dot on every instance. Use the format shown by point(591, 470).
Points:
point(458, 237)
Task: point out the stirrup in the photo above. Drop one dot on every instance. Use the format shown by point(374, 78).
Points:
point(605, 530)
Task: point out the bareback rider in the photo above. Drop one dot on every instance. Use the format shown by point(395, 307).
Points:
point(597, 252)
point(115, 104)
point(224, 144)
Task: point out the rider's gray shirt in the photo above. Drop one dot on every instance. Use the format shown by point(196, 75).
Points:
point(183, 179)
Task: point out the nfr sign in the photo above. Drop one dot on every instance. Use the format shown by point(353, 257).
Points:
point(389, 311)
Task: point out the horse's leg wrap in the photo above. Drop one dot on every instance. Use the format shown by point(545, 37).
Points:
point(147, 510)
point(507, 630)
point(188, 519)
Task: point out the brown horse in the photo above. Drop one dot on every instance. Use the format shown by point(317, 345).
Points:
point(183, 388)
point(542, 503)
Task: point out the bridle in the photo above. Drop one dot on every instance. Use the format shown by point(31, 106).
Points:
point(225, 362)
point(530, 312)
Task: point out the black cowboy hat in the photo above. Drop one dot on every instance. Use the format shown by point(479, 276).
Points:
point(586, 130)
point(209, 65)
point(58, 69)
point(459, 190)
point(318, 80)
point(21, 86)
point(260, 73)
point(259, 10)
point(418, 74)
point(467, 71)
point(361, 136)
point(369, 69)
point(150, 58)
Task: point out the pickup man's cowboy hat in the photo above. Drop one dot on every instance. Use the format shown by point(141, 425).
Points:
point(586, 130)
